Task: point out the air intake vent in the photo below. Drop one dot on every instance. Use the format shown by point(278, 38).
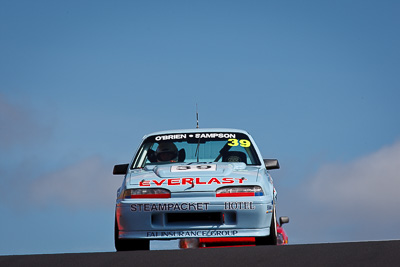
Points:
point(195, 218)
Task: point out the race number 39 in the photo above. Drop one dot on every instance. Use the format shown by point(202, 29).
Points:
point(241, 142)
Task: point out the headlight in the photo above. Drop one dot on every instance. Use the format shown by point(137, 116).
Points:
point(146, 193)
point(239, 191)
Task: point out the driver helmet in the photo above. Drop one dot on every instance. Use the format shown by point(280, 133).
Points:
point(167, 152)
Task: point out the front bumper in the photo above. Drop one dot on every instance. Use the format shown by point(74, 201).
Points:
point(172, 218)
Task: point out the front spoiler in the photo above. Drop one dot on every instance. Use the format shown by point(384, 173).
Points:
point(190, 233)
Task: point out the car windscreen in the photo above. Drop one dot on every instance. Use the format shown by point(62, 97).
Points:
point(196, 147)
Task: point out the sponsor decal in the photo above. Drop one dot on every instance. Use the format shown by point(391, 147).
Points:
point(196, 135)
point(239, 205)
point(170, 137)
point(214, 135)
point(185, 206)
point(190, 181)
point(200, 233)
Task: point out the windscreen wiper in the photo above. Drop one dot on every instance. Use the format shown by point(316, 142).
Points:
point(197, 153)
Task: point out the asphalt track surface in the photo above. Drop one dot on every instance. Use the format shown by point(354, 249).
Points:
point(382, 253)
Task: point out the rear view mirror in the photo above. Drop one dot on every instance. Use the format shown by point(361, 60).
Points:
point(120, 169)
point(271, 164)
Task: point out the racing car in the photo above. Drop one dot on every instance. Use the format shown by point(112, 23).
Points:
point(213, 242)
point(195, 183)
point(282, 238)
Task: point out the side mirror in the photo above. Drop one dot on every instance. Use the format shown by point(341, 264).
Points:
point(120, 169)
point(283, 219)
point(271, 164)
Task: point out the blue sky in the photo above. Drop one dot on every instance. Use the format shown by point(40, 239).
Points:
point(315, 82)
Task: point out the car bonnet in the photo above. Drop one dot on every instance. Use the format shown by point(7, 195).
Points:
point(194, 177)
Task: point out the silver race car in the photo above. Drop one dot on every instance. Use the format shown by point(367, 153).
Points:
point(196, 183)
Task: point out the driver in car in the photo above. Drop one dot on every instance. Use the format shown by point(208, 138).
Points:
point(167, 152)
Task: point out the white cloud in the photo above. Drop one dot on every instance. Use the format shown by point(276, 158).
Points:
point(351, 201)
point(369, 183)
point(18, 125)
point(88, 183)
